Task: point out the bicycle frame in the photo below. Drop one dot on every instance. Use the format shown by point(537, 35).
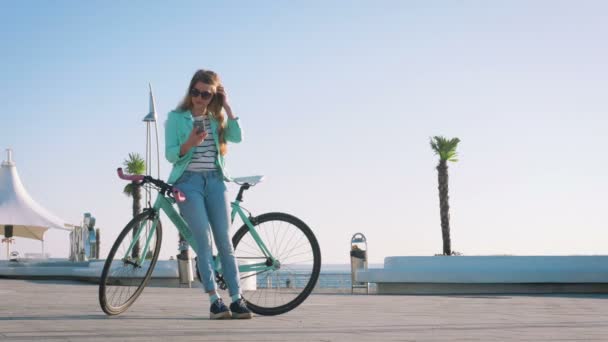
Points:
point(270, 263)
point(165, 204)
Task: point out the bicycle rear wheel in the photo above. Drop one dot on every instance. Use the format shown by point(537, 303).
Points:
point(123, 278)
point(294, 245)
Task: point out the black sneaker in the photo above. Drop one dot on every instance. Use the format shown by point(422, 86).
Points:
point(219, 310)
point(239, 310)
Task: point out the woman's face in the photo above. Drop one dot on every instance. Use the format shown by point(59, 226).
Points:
point(202, 94)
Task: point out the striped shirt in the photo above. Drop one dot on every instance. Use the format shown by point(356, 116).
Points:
point(205, 154)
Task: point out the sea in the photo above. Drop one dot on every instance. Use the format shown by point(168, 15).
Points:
point(332, 276)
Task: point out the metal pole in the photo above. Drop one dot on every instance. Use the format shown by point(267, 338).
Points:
point(97, 244)
point(148, 148)
point(157, 151)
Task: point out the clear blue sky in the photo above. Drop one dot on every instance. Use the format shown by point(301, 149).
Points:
point(338, 100)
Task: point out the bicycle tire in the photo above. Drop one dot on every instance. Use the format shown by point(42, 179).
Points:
point(106, 281)
point(276, 221)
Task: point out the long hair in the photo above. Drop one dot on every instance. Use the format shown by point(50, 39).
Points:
point(215, 106)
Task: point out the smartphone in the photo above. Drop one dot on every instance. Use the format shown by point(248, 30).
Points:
point(200, 126)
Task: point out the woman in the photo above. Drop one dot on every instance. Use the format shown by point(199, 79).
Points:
point(196, 134)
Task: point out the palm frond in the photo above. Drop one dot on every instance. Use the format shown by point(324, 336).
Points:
point(135, 164)
point(445, 148)
point(129, 189)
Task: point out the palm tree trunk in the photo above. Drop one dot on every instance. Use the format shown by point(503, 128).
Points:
point(444, 206)
point(136, 211)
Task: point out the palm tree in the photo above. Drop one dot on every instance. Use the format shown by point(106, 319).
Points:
point(446, 149)
point(135, 165)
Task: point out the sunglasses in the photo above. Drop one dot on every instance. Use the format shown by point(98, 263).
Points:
point(205, 95)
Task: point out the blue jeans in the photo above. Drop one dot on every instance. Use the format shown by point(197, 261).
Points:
point(206, 210)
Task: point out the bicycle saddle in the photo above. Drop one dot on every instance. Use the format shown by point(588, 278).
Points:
point(251, 180)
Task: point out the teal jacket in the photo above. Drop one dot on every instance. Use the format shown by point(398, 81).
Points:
point(177, 130)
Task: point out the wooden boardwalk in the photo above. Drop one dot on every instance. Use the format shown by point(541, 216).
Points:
point(69, 311)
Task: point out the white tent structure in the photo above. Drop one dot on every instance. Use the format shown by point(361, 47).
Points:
point(19, 213)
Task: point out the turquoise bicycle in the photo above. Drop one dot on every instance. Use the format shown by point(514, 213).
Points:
point(278, 255)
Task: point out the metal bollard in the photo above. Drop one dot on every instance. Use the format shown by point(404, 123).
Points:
point(184, 266)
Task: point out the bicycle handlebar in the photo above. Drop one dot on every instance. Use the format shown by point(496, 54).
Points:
point(135, 178)
point(177, 194)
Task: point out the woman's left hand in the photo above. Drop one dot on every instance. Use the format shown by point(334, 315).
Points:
point(222, 91)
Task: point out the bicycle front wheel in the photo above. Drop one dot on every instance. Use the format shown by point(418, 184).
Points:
point(124, 274)
point(293, 244)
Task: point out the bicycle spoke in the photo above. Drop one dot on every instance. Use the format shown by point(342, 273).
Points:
point(279, 290)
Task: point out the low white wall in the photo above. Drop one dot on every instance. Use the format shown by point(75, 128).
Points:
point(92, 269)
point(489, 269)
point(89, 270)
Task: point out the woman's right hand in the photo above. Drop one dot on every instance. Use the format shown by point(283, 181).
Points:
point(195, 137)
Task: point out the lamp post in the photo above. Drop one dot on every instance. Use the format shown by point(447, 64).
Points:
point(150, 118)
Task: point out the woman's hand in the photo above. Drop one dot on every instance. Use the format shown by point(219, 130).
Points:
point(222, 92)
point(195, 139)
